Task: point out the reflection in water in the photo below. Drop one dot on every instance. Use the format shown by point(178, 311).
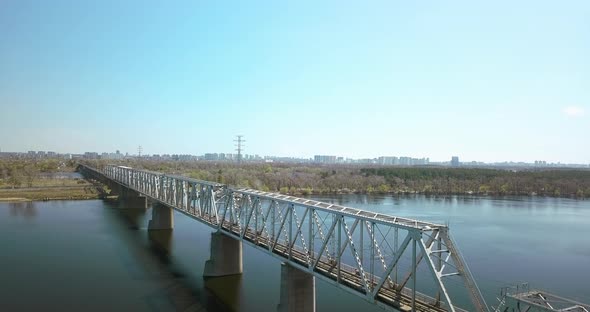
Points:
point(134, 217)
point(162, 270)
point(177, 292)
point(227, 289)
point(161, 244)
point(24, 209)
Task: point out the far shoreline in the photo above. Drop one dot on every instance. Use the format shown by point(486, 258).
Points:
point(20, 199)
point(24, 199)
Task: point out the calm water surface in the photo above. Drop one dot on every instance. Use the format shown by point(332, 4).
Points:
point(93, 255)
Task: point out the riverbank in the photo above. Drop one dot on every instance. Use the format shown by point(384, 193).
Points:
point(48, 179)
point(314, 179)
point(53, 189)
point(307, 192)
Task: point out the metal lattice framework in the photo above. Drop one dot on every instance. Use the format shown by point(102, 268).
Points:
point(522, 298)
point(379, 257)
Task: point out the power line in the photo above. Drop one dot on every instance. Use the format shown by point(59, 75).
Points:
point(239, 146)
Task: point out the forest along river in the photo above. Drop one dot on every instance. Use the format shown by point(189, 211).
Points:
point(93, 256)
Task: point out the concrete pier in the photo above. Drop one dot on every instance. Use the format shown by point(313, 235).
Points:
point(225, 258)
point(116, 188)
point(297, 290)
point(138, 202)
point(127, 197)
point(162, 218)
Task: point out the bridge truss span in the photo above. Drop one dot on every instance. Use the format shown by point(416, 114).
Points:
point(397, 263)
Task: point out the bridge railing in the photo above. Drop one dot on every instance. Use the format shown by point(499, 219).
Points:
point(392, 261)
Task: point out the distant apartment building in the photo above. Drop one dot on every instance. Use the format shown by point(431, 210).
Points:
point(420, 161)
point(91, 155)
point(11, 155)
point(455, 161)
point(251, 157)
point(402, 161)
point(324, 159)
point(184, 157)
point(211, 156)
point(366, 161)
point(116, 155)
point(388, 160)
point(283, 159)
point(405, 161)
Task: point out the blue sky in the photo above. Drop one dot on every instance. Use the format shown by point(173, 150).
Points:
point(488, 81)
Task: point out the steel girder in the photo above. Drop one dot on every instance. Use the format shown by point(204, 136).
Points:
point(362, 252)
point(522, 298)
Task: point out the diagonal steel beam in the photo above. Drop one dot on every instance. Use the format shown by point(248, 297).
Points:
point(431, 240)
point(344, 245)
point(280, 228)
point(247, 223)
point(325, 243)
point(435, 275)
point(299, 226)
point(474, 292)
point(403, 247)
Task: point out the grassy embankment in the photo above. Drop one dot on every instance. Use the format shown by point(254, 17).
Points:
point(23, 180)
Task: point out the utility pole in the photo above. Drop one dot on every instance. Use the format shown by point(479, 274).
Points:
point(139, 149)
point(239, 147)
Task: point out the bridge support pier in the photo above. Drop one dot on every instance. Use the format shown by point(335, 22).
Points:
point(135, 202)
point(226, 256)
point(128, 197)
point(297, 290)
point(162, 218)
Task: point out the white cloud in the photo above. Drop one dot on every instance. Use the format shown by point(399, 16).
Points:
point(574, 111)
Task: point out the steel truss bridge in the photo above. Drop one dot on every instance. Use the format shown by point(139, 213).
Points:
point(522, 298)
point(396, 263)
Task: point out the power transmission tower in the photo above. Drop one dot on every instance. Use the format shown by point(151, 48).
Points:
point(139, 149)
point(239, 146)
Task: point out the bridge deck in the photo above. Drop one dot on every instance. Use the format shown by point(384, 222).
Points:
point(240, 213)
point(389, 296)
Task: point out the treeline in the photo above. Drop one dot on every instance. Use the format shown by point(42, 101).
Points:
point(23, 172)
point(557, 182)
point(315, 179)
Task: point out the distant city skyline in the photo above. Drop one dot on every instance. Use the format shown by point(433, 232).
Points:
point(490, 82)
point(389, 160)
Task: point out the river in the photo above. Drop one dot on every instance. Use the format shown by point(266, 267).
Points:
point(93, 256)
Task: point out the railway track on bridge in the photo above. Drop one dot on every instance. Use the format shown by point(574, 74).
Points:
point(388, 295)
point(313, 236)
